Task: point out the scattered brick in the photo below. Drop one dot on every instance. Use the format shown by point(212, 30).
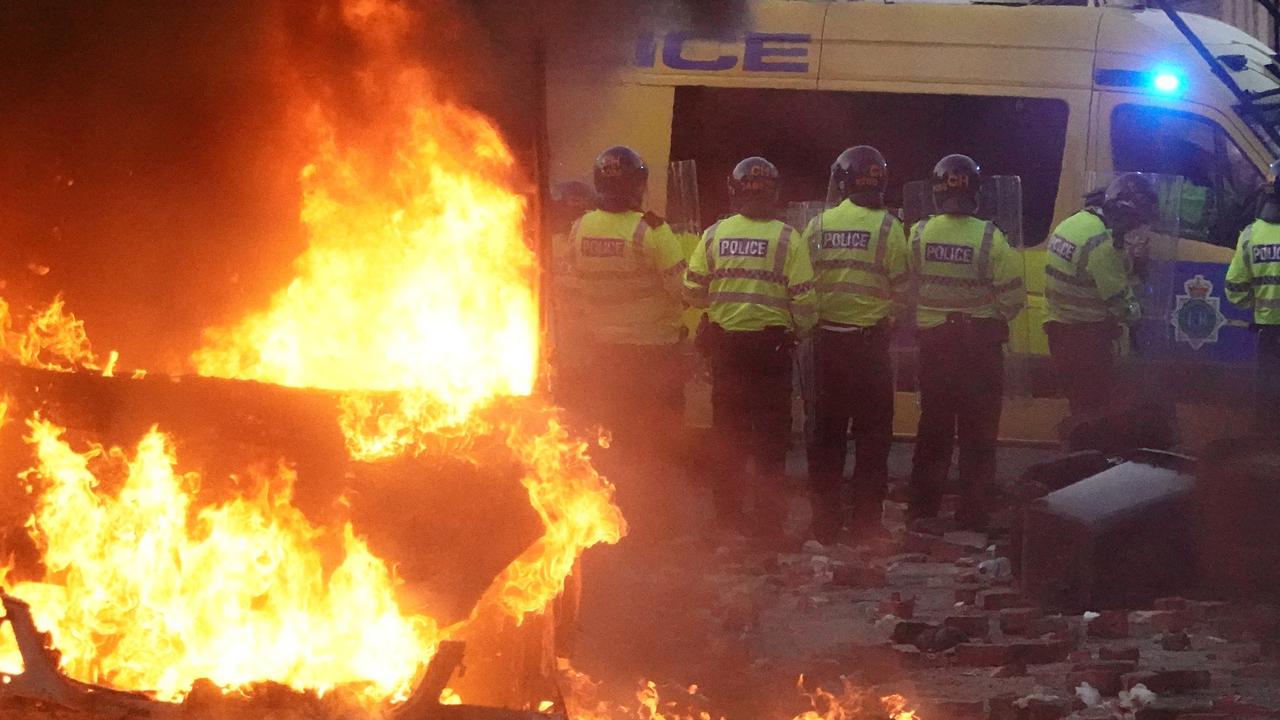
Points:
point(1017, 621)
point(1000, 599)
point(972, 625)
point(939, 639)
point(1053, 625)
point(1106, 683)
point(1205, 716)
point(1119, 652)
point(1039, 652)
point(968, 594)
point(1172, 709)
point(909, 656)
point(899, 605)
point(1119, 667)
point(1011, 670)
point(1171, 621)
point(1110, 624)
point(857, 575)
point(1175, 642)
point(906, 632)
point(982, 655)
point(942, 551)
point(1080, 656)
point(1169, 682)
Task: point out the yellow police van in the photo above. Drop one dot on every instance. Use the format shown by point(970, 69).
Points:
point(1061, 96)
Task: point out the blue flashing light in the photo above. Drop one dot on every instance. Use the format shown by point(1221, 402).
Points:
point(1166, 82)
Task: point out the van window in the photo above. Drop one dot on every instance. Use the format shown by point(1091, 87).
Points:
point(802, 131)
point(1220, 184)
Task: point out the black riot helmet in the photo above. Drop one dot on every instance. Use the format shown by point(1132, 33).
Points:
point(860, 174)
point(753, 188)
point(620, 177)
point(955, 185)
point(1269, 209)
point(1131, 201)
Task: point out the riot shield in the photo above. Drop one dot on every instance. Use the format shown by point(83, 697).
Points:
point(798, 215)
point(1153, 253)
point(684, 212)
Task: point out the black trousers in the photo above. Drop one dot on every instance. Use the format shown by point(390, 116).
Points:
point(1083, 362)
point(961, 372)
point(1267, 410)
point(751, 420)
point(853, 392)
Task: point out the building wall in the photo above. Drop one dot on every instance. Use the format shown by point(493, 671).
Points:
point(1248, 15)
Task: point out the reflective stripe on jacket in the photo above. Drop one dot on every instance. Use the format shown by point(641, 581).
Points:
point(1253, 278)
point(961, 264)
point(753, 274)
point(1086, 277)
point(622, 279)
point(859, 262)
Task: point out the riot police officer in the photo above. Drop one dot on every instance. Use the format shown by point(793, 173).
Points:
point(1088, 296)
point(860, 265)
point(969, 286)
point(752, 272)
point(622, 276)
point(1253, 282)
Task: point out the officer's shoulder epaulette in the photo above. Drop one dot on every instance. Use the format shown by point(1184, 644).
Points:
point(654, 220)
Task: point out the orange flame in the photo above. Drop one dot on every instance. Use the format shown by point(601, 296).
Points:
point(144, 590)
point(416, 296)
point(418, 282)
point(50, 339)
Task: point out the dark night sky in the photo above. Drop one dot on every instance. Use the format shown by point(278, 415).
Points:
point(148, 153)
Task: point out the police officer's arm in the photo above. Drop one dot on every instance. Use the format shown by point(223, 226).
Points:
point(1006, 277)
point(801, 295)
point(697, 277)
point(1108, 268)
point(1239, 289)
point(895, 264)
point(667, 256)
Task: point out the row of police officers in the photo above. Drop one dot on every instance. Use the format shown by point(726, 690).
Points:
point(765, 286)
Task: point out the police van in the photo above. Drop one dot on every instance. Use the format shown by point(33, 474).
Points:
point(1060, 96)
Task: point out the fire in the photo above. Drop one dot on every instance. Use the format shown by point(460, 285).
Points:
point(417, 296)
point(851, 703)
point(143, 589)
point(51, 339)
point(417, 278)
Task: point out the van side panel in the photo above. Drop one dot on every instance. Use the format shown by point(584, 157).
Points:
point(987, 46)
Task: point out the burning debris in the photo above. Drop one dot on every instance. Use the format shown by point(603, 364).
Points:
point(412, 325)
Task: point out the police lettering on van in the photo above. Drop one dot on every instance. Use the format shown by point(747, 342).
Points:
point(761, 52)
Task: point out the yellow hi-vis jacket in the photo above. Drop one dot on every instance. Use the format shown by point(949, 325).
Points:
point(1086, 277)
point(859, 261)
point(960, 264)
point(621, 279)
point(1253, 278)
point(751, 275)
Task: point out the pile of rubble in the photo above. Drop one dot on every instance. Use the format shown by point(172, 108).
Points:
point(939, 617)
